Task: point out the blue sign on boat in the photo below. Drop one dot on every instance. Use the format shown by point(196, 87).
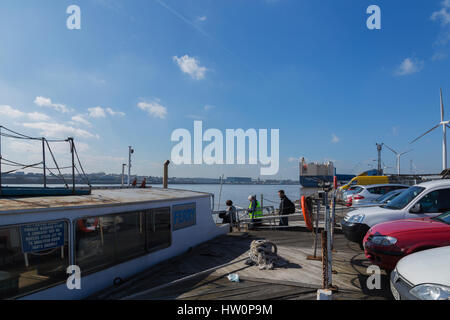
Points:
point(42, 236)
point(184, 215)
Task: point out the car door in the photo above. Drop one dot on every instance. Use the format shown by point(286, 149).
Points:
point(432, 204)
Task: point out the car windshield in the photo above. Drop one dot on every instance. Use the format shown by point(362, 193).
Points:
point(444, 218)
point(404, 198)
point(388, 196)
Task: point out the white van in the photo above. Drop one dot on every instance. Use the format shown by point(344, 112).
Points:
point(427, 199)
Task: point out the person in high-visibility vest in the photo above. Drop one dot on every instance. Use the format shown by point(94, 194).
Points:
point(254, 208)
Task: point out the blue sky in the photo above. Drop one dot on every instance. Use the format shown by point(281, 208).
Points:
point(137, 70)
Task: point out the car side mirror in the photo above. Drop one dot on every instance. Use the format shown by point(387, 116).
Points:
point(417, 208)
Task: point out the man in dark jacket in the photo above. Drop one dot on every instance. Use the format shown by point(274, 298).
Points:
point(286, 207)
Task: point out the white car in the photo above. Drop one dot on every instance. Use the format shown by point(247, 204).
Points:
point(428, 199)
point(424, 275)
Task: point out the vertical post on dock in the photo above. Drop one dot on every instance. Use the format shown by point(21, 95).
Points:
point(325, 283)
point(43, 163)
point(166, 174)
point(130, 152)
point(73, 164)
point(0, 160)
point(262, 203)
point(123, 173)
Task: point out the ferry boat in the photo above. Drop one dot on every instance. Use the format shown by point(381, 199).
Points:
point(109, 234)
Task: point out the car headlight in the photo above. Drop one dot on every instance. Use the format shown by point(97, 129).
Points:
point(431, 292)
point(357, 218)
point(383, 240)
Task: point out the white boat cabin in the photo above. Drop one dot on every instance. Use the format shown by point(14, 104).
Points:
point(109, 235)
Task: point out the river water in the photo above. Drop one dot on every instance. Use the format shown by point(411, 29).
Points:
point(238, 193)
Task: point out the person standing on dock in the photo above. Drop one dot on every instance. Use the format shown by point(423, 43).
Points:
point(144, 183)
point(254, 209)
point(286, 207)
point(134, 183)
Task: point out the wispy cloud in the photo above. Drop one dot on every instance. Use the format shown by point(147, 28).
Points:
point(47, 102)
point(58, 130)
point(191, 66)
point(10, 112)
point(79, 118)
point(209, 107)
point(443, 15)
point(201, 19)
point(154, 109)
point(409, 66)
point(99, 112)
point(293, 159)
point(335, 138)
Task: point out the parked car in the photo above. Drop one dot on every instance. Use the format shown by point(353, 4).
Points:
point(428, 199)
point(422, 276)
point(382, 200)
point(346, 194)
point(369, 193)
point(386, 243)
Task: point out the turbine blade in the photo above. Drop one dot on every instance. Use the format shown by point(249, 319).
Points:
point(442, 107)
point(390, 148)
point(435, 127)
point(406, 152)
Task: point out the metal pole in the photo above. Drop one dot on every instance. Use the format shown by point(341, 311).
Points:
point(328, 227)
point(325, 283)
point(166, 174)
point(43, 163)
point(0, 160)
point(130, 151)
point(73, 164)
point(444, 139)
point(123, 173)
point(317, 228)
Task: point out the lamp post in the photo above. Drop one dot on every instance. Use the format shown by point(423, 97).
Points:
point(130, 152)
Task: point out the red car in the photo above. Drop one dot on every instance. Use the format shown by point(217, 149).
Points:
point(386, 243)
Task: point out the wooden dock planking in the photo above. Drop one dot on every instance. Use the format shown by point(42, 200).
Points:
point(299, 280)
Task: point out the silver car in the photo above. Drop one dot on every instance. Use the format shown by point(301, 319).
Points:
point(347, 194)
point(382, 200)
point(370, 193)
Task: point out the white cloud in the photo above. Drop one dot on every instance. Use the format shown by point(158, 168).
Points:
point(442, 15)
point(202, 18)
point(79, 118)
point(97, 112)
point(114, 113)
point(57, 130)
point(47, 102)
point(154, 109)
point(334, 138)
point(10, 112)
point(409, 66)
point(293, 159)
point(209, 107)
point(190, 66)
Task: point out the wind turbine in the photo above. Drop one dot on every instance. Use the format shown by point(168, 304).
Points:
point(444, 125)
point(398, 155)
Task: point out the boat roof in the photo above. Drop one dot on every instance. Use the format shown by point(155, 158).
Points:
point(98, 197)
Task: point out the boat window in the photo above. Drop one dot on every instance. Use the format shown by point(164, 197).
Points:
point(158, 229)
point(32, 257)
point(108, 240)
